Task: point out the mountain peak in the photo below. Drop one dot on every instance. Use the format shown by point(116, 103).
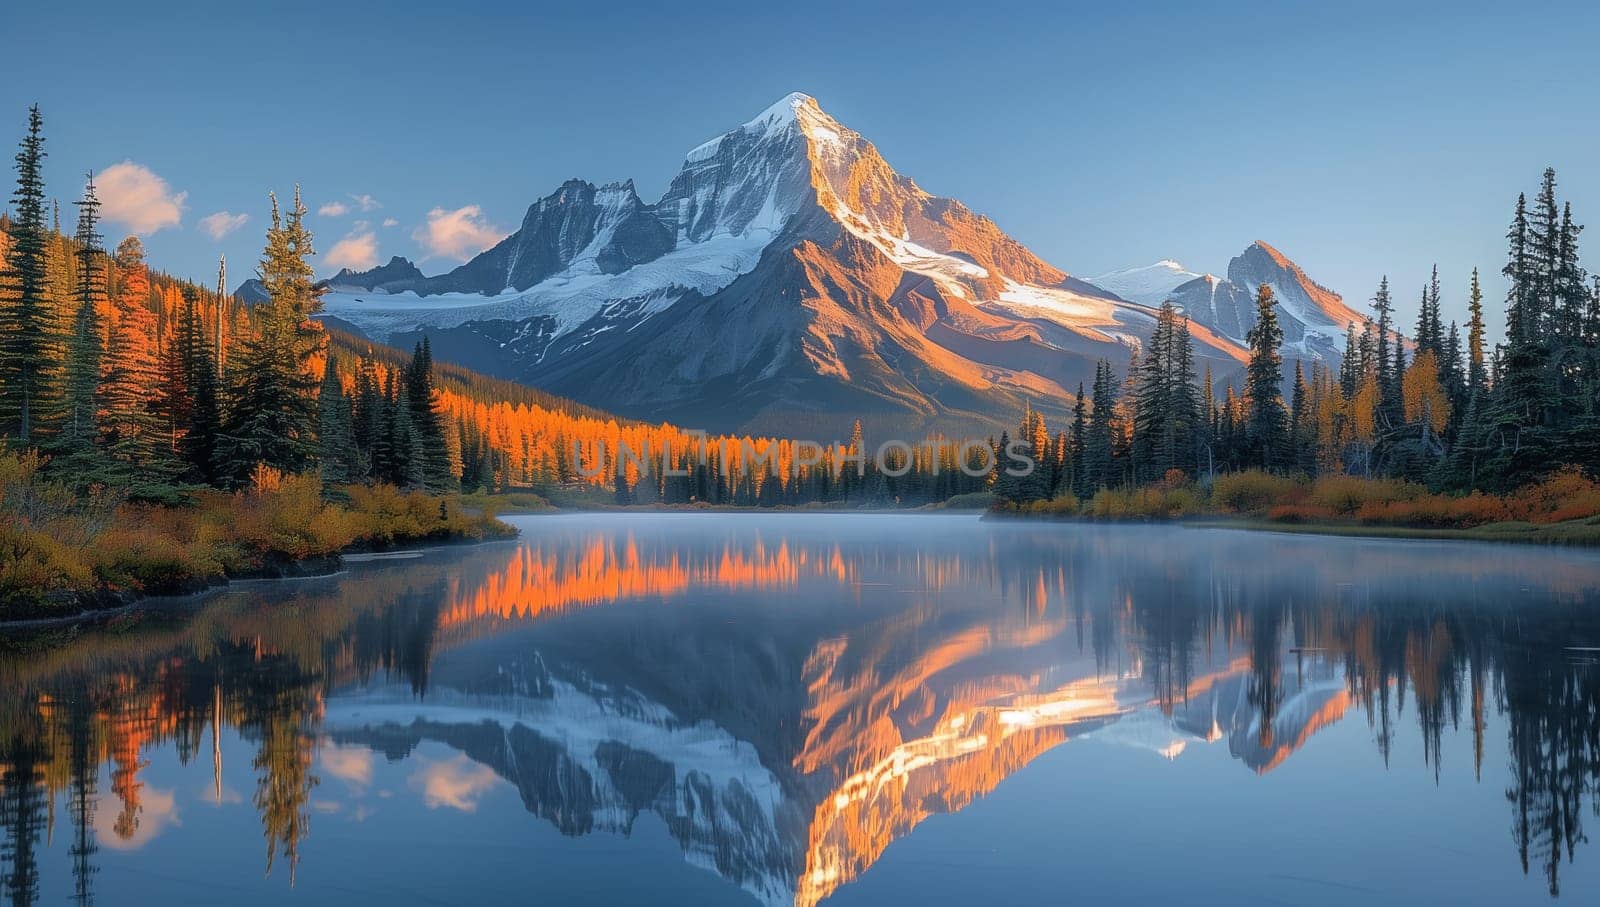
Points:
point(1147, 285)
point(783, 111)
point(1278, 258)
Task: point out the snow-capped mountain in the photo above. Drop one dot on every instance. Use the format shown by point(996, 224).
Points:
point(788, 279)
point(1314, 318)
point(1149, 285)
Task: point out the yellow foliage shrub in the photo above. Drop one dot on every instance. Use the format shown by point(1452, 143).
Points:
point(1344, 495)
point(1566, 494)
point(1252, 491)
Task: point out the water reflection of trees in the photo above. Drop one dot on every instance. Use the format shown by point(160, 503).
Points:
point(109, 697)
point(1432, 654)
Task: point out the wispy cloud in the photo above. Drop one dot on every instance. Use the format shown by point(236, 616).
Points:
point(365, 202)
point(458, 234)
point(390, 222)
point(334, 209)
point(358, 252)
point(133, 195)
point(222, 223)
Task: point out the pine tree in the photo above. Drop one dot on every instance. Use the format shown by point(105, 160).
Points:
point(273, 418)
point(1388, 381)
point(202, 434)
point(79, 430)
point(405, 459)
point(1521, 389)
point(1450, 371)
point(1430, 323)
point(1544, 250)
point(1569, 277)
point(1078, 442)
point(1477, 376)
point(1350, 364)
point(132, 428)
point(438, 477)
point(1266, 431)
point(1099, 465)
point(28, 336)
point(1163, 397)
point(1301, 431)
point(336, 444)
point(368, 422)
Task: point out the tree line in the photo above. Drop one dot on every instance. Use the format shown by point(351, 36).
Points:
point(138, 382)
point(1438, 407)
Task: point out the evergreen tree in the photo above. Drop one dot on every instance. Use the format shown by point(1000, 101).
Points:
point(1164, 403)
point(1266, 431)
point(1098, 462)
point(1389, 405)
point(131, 427)
point(369, 419)
point(1430, 323)
point(1301, 431)
point(1477, 376)
point(273, 418)
point(336, 444)
point(1078, 441)
point(79, 429)
point(438, 476)
point(1455, 382)
point(202, 433)
point(1350, 364)
point(28, 337)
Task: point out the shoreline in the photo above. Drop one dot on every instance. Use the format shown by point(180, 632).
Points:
point(1571, 534)
point(318, 567)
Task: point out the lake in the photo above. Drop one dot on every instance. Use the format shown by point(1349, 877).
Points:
point(789, 709)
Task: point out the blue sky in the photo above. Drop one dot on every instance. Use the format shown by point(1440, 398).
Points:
point(1361, 139)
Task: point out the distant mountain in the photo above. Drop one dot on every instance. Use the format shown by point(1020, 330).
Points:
point(251, 292)
point(1149, 285)
point(788, 280)
point(1313, 317)
point(396, 276)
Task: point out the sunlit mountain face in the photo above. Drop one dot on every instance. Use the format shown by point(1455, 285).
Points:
point(776, 711)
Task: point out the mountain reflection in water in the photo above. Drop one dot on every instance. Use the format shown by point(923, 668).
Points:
point(788, 696)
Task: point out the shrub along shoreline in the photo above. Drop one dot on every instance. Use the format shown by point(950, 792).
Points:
point(1561, 509)
point(63, 554)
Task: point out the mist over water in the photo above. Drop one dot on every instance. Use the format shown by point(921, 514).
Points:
point(787, 709)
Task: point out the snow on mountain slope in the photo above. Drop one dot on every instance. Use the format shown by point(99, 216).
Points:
point(594, 762)
point(1149, 285)
point(571, 297)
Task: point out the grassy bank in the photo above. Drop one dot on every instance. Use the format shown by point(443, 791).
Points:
point(1562, 509)
point(62, 553)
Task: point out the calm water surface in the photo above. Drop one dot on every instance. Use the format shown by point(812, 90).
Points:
point(785, 709)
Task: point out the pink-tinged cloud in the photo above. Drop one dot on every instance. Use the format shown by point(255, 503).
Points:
point(352, 764)
point(458, 234)
point(457, 783)
point(222, 223)
point(134, 196)
point(334, 209)
point(358, 252)
point(117, 827)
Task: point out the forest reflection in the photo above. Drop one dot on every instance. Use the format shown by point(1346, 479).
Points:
point(877, 680)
